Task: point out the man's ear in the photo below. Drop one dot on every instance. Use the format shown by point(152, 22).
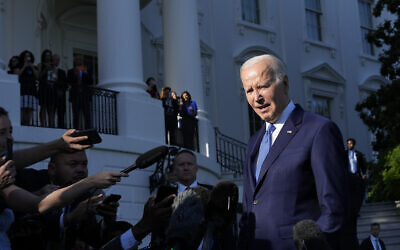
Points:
point(286, 84)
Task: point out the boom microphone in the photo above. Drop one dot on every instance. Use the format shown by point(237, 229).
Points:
point(147, 159)
point(308, 236)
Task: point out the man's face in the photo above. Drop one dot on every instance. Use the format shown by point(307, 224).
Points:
point(350, 145)
point(69, 167)
point(375, 231)
point(267, 97)
point(5, 132)
point(185, 168)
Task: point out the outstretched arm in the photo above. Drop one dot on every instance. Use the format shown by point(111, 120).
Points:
point(29, 156)
point(21, 200)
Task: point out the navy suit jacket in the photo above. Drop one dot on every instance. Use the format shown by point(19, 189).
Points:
point(304, 176)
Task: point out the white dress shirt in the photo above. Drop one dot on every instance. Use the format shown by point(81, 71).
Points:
point(182, 187)
point(375, 243)
point(352, 161)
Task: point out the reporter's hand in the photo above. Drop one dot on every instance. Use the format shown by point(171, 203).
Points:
point(154, 216)
point(7, 173)
point(83, 210)
point(108, 211)
point(71, 143)
point(106, 179)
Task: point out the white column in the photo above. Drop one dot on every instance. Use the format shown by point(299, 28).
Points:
point(119, 46)
point(182, 57)
point(120, 68)
point(3, 64)
point(182, 62)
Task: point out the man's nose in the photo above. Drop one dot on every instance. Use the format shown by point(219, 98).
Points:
point(259, 98)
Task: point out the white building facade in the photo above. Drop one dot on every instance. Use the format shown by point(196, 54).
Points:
point(196, 46)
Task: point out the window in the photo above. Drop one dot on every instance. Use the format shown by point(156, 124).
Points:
point(364, 9)
point(255, 122)
point(251, 11)
point(313, 19)
point(90, 62)
point(320, 106)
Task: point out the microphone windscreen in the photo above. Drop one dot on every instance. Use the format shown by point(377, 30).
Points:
point(224, 198)
point(308, 235)
point(152, 156)
point(186, 226)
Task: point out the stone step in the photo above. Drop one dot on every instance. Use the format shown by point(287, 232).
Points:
point(386, 214)
point(378, 219)
point(377, 204)
point(368, 209)
point(382, 212)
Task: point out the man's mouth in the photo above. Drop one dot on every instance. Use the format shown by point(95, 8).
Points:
point(264, 106)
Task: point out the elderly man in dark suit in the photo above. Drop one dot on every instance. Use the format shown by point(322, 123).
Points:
point(295, 165)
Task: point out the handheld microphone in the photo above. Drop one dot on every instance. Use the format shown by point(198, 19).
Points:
point(221, 216)
point(147, 159)
point(308, 236)
point(186, 226)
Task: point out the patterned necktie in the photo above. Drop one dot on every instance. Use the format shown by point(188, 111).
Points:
point(264, 148)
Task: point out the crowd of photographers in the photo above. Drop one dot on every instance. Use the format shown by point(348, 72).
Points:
point(45, 85)
point(180, 115)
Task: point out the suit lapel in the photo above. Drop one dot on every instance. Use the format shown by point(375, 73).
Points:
point(287, 132)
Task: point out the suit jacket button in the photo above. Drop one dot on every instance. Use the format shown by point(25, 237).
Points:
point(255, 202)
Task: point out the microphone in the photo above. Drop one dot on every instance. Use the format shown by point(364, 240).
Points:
point(186, 226)
point(147, 159)
point(308, 236)
point(221, 217)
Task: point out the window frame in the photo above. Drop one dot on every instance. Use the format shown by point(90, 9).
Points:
point(371, 48)
point(318, 14)
point(258, 12)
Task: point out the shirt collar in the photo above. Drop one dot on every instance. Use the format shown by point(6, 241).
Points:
point(283, 117)
point(182, 187)
point(373, 238)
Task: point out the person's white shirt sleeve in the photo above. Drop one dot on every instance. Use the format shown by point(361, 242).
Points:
point(128, 241)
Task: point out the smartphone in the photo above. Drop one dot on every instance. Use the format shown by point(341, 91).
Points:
point(92, 134)
point(165, 191)
point(9, 150)
point(112, 198)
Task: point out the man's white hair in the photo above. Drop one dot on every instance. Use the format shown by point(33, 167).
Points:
point(277, 68)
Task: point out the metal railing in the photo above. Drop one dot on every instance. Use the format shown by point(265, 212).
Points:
point(231, 153)
point(84, 108)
